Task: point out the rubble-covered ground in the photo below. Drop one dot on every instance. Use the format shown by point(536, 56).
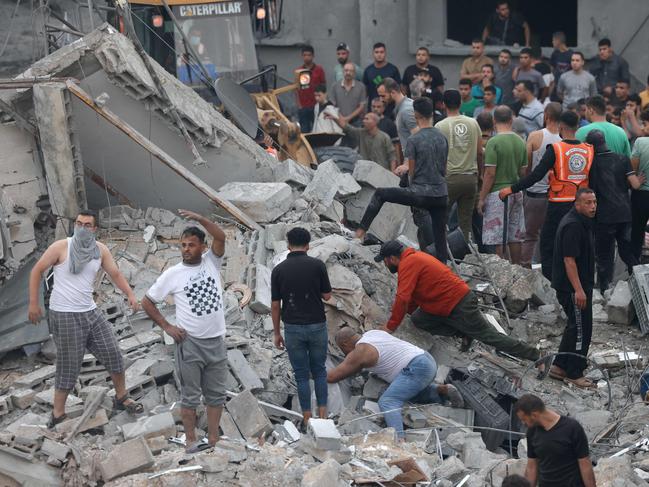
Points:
point(261, 444)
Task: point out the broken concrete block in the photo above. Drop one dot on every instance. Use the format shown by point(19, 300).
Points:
point(141, 366)
point(374, 387)
point(369, 173)
point(324, 434)
point(127, 458)
point(47, 397)
point(6, 404)
point(243, 371)
point(228, 427)
point(159, 425)
point(323, 248)
point(594, 421)
point(259, 283)
point(36, 377)
point(291, 172)
point(55, 449)
point(97, 420)
point(261, 361)
point(620, 306)
point(140, 340)
point(325, 183)
point(158, 444)
point(263, 202)
point(27, 419)
point(333, 213)
point(22, 398)
point(326, 474)
point(347, 186)
point(213, 462)
point(248, 415)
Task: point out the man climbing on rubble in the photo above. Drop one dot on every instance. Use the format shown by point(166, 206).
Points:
point(426, 154)
point(199, 332)
point(298, 286)
point(573, 277)
point(408, 369)
point(557, 446)
point(441, 303)
point(75, 322)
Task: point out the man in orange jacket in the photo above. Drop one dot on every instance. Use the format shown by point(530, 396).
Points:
point(439, 302)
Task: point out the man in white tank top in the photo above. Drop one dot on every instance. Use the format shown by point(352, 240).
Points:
point(75, 322)
point(408, 369)
point(536, 197)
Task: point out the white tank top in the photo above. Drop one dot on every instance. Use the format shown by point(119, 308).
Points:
point(394, 354)
point(72, 293)
point(542, 186)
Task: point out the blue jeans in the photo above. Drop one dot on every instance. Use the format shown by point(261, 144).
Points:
point(307, 350)
point(306, 118)
point(414, 384)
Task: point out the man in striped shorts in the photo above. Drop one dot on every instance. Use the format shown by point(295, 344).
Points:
point(75, 322)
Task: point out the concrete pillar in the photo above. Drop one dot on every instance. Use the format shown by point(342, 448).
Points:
point(61, 153)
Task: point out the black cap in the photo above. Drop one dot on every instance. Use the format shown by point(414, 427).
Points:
point(341, 46)
point(388, 249)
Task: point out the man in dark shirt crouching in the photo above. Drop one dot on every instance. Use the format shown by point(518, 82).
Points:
point(298, 286)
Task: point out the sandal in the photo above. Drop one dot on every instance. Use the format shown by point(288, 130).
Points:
point(54, 420)
point(544, 365)
point(581, 382)
point(131, 408)
point(198, 447)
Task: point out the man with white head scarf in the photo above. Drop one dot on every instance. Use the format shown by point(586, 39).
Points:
point(75, 322)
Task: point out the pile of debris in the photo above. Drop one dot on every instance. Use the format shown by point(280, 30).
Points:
point(478, 446)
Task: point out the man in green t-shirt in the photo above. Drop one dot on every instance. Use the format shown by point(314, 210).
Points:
point(469, 104)
point(640, 197)
point(464, 154)
point(616, 138)
point(505, 156)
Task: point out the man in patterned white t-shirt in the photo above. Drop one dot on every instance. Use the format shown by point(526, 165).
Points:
point(199, 332)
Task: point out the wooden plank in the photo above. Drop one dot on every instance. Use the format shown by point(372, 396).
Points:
point(163, 157)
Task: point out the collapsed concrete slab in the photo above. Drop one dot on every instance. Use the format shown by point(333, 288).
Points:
point(263, 202)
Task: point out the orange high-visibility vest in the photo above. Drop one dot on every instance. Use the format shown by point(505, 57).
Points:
point(570, 172)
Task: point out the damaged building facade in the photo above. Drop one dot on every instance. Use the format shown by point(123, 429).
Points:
point(89, 127)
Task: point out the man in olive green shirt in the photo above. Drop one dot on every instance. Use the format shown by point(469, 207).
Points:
point(464, 155)
point(504, 159)
point(616, 138)
point(373, 144)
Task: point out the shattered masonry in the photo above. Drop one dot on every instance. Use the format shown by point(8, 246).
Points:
point(116, 449)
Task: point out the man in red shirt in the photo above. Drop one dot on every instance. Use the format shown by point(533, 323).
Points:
point(305, 94)
point(441, 303)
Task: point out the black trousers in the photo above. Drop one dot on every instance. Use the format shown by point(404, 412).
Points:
point(577, 335)
point(606, 234)
point(639, 218)
point(553, 216)
point(432, 232)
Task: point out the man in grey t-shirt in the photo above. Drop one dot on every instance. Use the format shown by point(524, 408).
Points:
point(426, 168)
point(532, 110)
point(390, 91)
point(526, 72)
point(576, 83)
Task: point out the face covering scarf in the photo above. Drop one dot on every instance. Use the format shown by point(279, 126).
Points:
point(83, 249)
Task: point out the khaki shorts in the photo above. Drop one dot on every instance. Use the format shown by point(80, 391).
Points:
point(493, 220)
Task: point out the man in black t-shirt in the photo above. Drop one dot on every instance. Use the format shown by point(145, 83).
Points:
point(505, 27)
point(557, 446)
point(573, 276)
point(298, 286)
point(610, 177)
point(379, 70)
point(422, 57)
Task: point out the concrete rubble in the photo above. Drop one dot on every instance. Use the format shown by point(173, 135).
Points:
point(262, 443)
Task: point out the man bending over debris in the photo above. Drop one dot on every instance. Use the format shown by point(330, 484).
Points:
point(557, 446)
point(409, 370)
point(573, 276)
point(75, 321)
point(298, 286)
point(201, 355)
point(443, 302)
